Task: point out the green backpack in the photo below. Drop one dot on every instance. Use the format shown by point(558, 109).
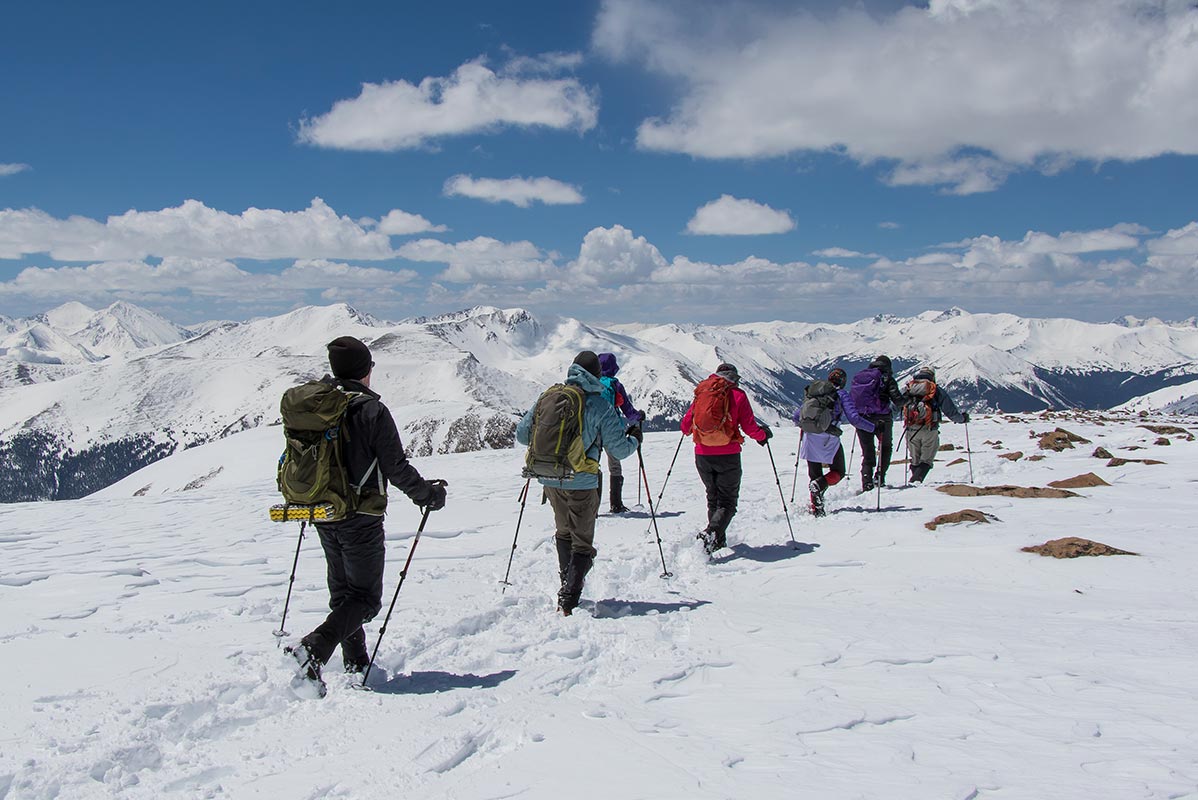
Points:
point(312, 470)
point(555, 446)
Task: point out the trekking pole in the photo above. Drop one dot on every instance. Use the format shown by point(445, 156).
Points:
point(665, 572)
point(663, 483)
point(403, 574)
point(968, 454)
point(523, 500)
point(281, 632)
point(781, 496)
point(795, 483)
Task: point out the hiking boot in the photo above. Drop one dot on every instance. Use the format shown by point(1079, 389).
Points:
point(617, 489)
point(880, 479)
point(563, 558)
point(567, 599)
point(309, 668)
point(353, 652)
point(708, 540)
point(817, 505)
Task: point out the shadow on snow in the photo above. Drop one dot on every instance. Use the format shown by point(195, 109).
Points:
point(615, 609)
point(434, 682)
point(767, 554)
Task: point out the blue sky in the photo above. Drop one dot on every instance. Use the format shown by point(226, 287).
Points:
point(624, 160)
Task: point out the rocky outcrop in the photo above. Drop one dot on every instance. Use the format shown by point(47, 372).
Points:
point(1074, 547)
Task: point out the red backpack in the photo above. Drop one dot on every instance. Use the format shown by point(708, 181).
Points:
point(919, 409)
point(711, 417)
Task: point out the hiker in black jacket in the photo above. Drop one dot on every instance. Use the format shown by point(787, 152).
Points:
point(353, 547)
point(873, 391)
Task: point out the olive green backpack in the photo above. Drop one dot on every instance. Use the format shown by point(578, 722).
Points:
point(312, 468)
point(555, 446)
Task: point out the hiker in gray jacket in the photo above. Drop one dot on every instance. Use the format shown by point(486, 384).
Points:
point(575, 500)
point(925, 404)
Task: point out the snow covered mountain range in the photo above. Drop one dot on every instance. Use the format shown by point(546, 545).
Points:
point(87, 397)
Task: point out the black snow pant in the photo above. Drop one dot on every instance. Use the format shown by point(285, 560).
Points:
point(354, 554)
point(875, 461)
point(721, 478)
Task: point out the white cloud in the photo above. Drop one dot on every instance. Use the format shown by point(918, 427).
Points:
point(212, 279)
point(961, 175)
point(13, 169)
point(522, 192)
point(482, 259)
point(401, 223)
point(840, 252)
point(889, 226)
point(732, 216)
point(192, 230)
point(614, 256)
point(399, 115)
point(1176, 251)
point(959, 92)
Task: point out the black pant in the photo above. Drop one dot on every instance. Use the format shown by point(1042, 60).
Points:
point(354, 554)
point(884, 436)
point(721, 478)
point(815, 470)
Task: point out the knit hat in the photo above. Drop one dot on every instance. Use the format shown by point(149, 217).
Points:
point(728, 372)
point(882, 363)
point(349, 358)
point(838, 377)
point(925, 373)
point(588, 361)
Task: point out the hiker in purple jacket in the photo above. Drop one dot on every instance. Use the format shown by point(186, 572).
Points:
point(824, 449)
point(873, 391)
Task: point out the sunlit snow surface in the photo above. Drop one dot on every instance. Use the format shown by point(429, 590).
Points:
point(876, 660)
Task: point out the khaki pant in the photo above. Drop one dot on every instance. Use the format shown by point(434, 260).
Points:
point(924, 442)
point(574, 513)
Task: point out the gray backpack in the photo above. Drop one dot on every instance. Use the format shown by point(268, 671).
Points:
point(815, 415)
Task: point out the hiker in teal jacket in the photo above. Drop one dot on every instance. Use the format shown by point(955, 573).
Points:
point(575, 501)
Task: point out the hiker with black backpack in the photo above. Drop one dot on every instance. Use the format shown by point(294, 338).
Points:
point(563, 432)
point(826, 403)
point(873, 391)
point(365, 452)
point(715, 420)
point(925, 404)
point(615, 393)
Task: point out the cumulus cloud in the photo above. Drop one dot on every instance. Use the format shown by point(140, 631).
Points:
point(1176, 251)
point(733, 216)
point(614, 256)
point(521, 192)
point(482, 259)
point(191, 230)
point(959, 92)
point(399, 115)
point(12, 169)
point(401, 223)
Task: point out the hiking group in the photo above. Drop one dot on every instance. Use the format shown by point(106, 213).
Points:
point(343, 450)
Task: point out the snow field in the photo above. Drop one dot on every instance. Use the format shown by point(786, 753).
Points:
point(876, 659)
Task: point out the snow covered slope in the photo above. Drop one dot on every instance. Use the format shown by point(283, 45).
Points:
point(70, 424)
point(875, 659)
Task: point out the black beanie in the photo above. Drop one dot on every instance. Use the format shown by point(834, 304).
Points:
point(882, 363)
point(588, 361)
point(349, 358)
point(728, 372)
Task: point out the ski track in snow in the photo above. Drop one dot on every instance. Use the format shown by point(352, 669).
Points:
point(874, 659)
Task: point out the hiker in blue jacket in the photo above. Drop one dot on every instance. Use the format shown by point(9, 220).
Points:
point(825, 449)
point(575, 499)
point(617, 395)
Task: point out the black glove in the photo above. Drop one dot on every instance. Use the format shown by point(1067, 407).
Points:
point(635, 432)
point(769, 434)
point(965, 417)
point(434, 498)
